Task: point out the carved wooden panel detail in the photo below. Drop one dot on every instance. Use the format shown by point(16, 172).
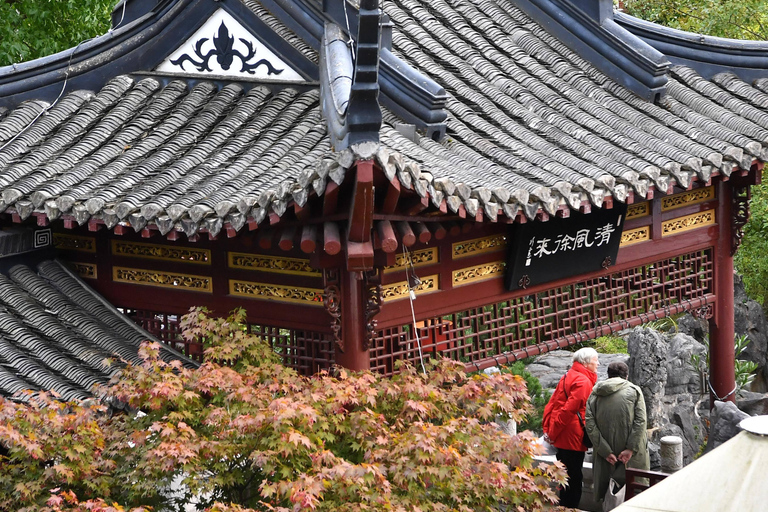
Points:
point(478, 273)
point(637, 210)
point(635, 236)
point(400, 290)
point(687, 223)
point(272, 264)
point(419, 258)
point(276, 292)
point(161, 252)
point(184, 282)
point(478, 246)
point(74, 242)
point(84, 270)
point(687, 198)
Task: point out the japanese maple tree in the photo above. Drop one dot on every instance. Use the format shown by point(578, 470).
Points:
point(247, 433)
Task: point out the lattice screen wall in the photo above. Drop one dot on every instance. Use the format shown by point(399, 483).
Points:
point(556, 316)
point(305, 351)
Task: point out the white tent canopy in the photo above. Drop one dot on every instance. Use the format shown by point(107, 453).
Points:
point(730, 478)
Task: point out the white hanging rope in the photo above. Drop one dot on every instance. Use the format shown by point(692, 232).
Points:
point(411, 297)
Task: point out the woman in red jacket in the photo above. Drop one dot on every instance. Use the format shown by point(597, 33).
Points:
point(562, 425)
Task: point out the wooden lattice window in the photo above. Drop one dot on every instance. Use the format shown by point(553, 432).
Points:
point(556, 317)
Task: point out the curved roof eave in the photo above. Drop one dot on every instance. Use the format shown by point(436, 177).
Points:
point(708, 55)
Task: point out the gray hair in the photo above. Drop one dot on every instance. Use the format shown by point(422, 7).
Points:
point(584, 355)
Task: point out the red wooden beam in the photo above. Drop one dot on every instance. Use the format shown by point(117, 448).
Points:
point(303, 213)
point(331, 238)
point(265, 239)
point(418, 206)
point(359, 255)
point(406, 233)
point(42, 219)
point(308, 242)
point(361, 210)
point(387, 236)
point(439, 231)
point(422, 232)
point(391, 197)
point(286, 238)
point(454, 229)
point(330, 198)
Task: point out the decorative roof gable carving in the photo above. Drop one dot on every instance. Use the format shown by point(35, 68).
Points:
point(223, 46)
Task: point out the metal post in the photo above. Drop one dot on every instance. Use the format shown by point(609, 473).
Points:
point(721, 356)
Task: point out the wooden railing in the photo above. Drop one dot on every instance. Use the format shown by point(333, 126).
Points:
point(635, 486)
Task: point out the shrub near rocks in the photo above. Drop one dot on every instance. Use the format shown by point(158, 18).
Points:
point(251, 434)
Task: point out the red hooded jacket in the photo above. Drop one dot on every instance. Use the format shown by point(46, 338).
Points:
point(560, 422)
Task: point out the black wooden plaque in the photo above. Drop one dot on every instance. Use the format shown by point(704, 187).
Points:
point(539, 252)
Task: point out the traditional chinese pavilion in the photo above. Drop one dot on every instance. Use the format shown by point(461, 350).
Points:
point(383, 181)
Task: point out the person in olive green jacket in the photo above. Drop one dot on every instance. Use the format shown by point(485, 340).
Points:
point(616, 424)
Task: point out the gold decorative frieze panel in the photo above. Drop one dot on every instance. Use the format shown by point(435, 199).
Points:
point(161, 252)
point(635, 236)
point(74, 243)
point(687, 223)
point(635, 211)
point(399, 290)
point(84, 270)
point(182, 282)
point(273, 264)
point(478, 246)
point(419, 258)
point(276, 292)
point(478, 273)
point(687, 198)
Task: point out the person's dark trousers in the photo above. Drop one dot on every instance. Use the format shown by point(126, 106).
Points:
point(573, 460)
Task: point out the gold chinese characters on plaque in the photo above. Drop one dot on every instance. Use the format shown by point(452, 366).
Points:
point(161, 252)
point(273, 264)
point(276, 292)
point(185, 282)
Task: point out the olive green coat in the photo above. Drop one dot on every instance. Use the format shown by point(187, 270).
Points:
point(616, 420)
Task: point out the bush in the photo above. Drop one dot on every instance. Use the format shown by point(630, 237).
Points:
point(752, 257)
point(539, 397)
point(610, 345)
point(254, 435)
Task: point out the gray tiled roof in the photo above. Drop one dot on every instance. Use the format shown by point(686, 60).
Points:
point(531, 125)
point(57, 335)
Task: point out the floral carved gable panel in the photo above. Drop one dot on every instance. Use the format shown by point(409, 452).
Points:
point(224, 47)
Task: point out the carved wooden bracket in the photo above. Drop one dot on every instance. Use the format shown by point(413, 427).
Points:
point(739, 214)
point(372, 304)
point(332, 302)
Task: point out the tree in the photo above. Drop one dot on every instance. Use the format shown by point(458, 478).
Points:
point(246, 433)
point(30, 29)
point(735, 19)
